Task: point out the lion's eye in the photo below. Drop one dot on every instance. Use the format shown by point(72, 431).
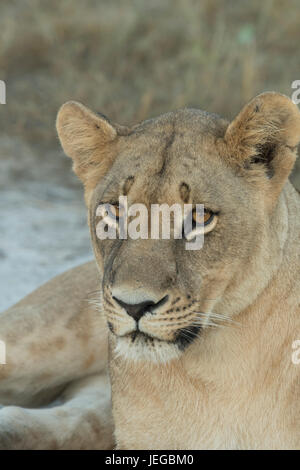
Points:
point(111, 214)
point(115, 211)
point(202, 222)
point(202, 219)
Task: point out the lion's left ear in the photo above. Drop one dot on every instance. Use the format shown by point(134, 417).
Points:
point(263, 138)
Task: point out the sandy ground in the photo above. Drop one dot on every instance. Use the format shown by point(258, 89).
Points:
point(43, 229)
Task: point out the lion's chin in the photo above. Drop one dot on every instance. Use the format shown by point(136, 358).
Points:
point(140, 350)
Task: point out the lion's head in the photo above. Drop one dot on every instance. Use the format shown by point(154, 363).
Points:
point(158, 296)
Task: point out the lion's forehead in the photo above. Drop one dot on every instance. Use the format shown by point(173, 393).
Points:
point(194, 120)
point(171, 146)
point(163, 155)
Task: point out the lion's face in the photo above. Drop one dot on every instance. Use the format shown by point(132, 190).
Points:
point(158, 296)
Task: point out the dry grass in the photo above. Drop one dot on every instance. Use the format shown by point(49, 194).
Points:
point(134, 59)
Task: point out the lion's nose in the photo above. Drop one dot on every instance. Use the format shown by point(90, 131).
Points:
point(136, 311)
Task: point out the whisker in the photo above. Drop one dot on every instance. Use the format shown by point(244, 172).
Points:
point(208, 323)
point(189, 334)
point(96, 291)
point(114, 315)
point(94, 301)
point(216, 316)
point(97, 304)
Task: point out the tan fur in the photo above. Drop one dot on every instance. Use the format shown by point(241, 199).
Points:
point(233, 385)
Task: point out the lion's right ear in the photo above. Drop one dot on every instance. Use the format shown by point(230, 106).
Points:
point(87, 138)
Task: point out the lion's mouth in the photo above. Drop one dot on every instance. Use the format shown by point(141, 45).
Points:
point(183, 338)
point(140, 346)
point(137, 334)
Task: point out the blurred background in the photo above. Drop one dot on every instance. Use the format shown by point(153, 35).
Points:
point(131, 60)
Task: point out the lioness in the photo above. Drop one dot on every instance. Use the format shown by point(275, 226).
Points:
point(200, 341)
